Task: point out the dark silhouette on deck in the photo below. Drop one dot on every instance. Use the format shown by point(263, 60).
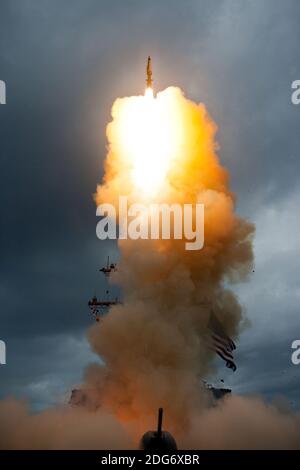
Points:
point(158, 440)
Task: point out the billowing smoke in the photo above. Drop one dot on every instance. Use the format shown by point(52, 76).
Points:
point(154, 344)
point(59, 428)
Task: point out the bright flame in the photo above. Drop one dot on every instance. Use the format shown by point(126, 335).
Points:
point(149, 93)
point(149, 137)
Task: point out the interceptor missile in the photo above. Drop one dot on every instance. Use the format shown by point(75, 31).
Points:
point(149, 80)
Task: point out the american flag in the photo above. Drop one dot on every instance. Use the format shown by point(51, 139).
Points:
point(220, 342)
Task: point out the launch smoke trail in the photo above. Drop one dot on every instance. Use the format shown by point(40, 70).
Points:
point(154, 343)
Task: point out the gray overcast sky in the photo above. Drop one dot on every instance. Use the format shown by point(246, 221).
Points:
point(64, 62)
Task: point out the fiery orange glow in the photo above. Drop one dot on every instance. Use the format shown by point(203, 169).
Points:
point(161, 148)
point(148, 138)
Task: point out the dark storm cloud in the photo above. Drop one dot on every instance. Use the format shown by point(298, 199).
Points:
point(251, 55)
point(271, 299)
point(46, 377)
point(64, 62)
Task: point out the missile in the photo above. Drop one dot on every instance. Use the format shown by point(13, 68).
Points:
point(149, 80)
